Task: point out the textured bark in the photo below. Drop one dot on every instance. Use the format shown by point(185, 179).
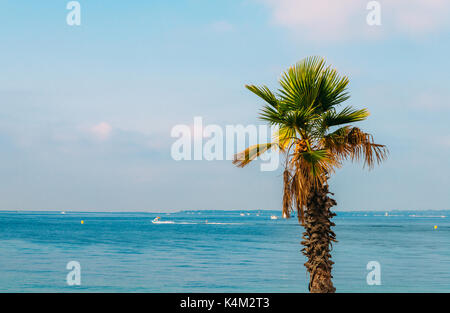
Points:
point(318, 238)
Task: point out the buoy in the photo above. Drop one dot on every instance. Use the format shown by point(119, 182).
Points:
point(435, 226)
point(82, 222)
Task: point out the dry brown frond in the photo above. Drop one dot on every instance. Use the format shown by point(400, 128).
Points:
point(354, 144)
point(287, 199)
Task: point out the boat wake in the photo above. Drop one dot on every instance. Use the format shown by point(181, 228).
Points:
point(163, 222)
point(222, 223)
point(158, 221)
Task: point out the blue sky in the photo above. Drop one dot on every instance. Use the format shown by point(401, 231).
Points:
point(86, 111)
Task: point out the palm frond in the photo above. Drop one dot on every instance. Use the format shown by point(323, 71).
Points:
point(309, 83)
point(271, 115)
point(243, 158)
point(300, 83)
point(321, 162)
point(354, 144)
point(285, 136)
point(365, 148)
point(298, 119)
point(265, 94)
point(333, 90)
point(345, 116)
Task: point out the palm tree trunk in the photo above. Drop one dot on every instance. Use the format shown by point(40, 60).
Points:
point(318, 238)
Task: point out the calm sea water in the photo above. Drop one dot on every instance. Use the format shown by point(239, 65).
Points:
point(125, 252)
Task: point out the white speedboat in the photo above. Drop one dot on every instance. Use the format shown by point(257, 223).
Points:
point(157, 220)
point(273, 217)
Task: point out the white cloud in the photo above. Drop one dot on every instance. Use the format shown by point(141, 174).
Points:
point(332, 19)
point(101, 131)
point(420, 16)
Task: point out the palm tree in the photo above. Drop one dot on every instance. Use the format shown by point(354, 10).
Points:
point(316, 138)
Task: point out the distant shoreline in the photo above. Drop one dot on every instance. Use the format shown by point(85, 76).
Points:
point(209, 210)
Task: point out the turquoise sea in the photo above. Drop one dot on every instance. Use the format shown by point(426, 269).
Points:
point(217, 251)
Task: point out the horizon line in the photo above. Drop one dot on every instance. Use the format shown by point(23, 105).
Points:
point(189, 210)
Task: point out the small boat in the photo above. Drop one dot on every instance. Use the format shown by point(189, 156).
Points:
point(242, 214)
point(157, 220)
point(273, 217)
point(63, 212)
